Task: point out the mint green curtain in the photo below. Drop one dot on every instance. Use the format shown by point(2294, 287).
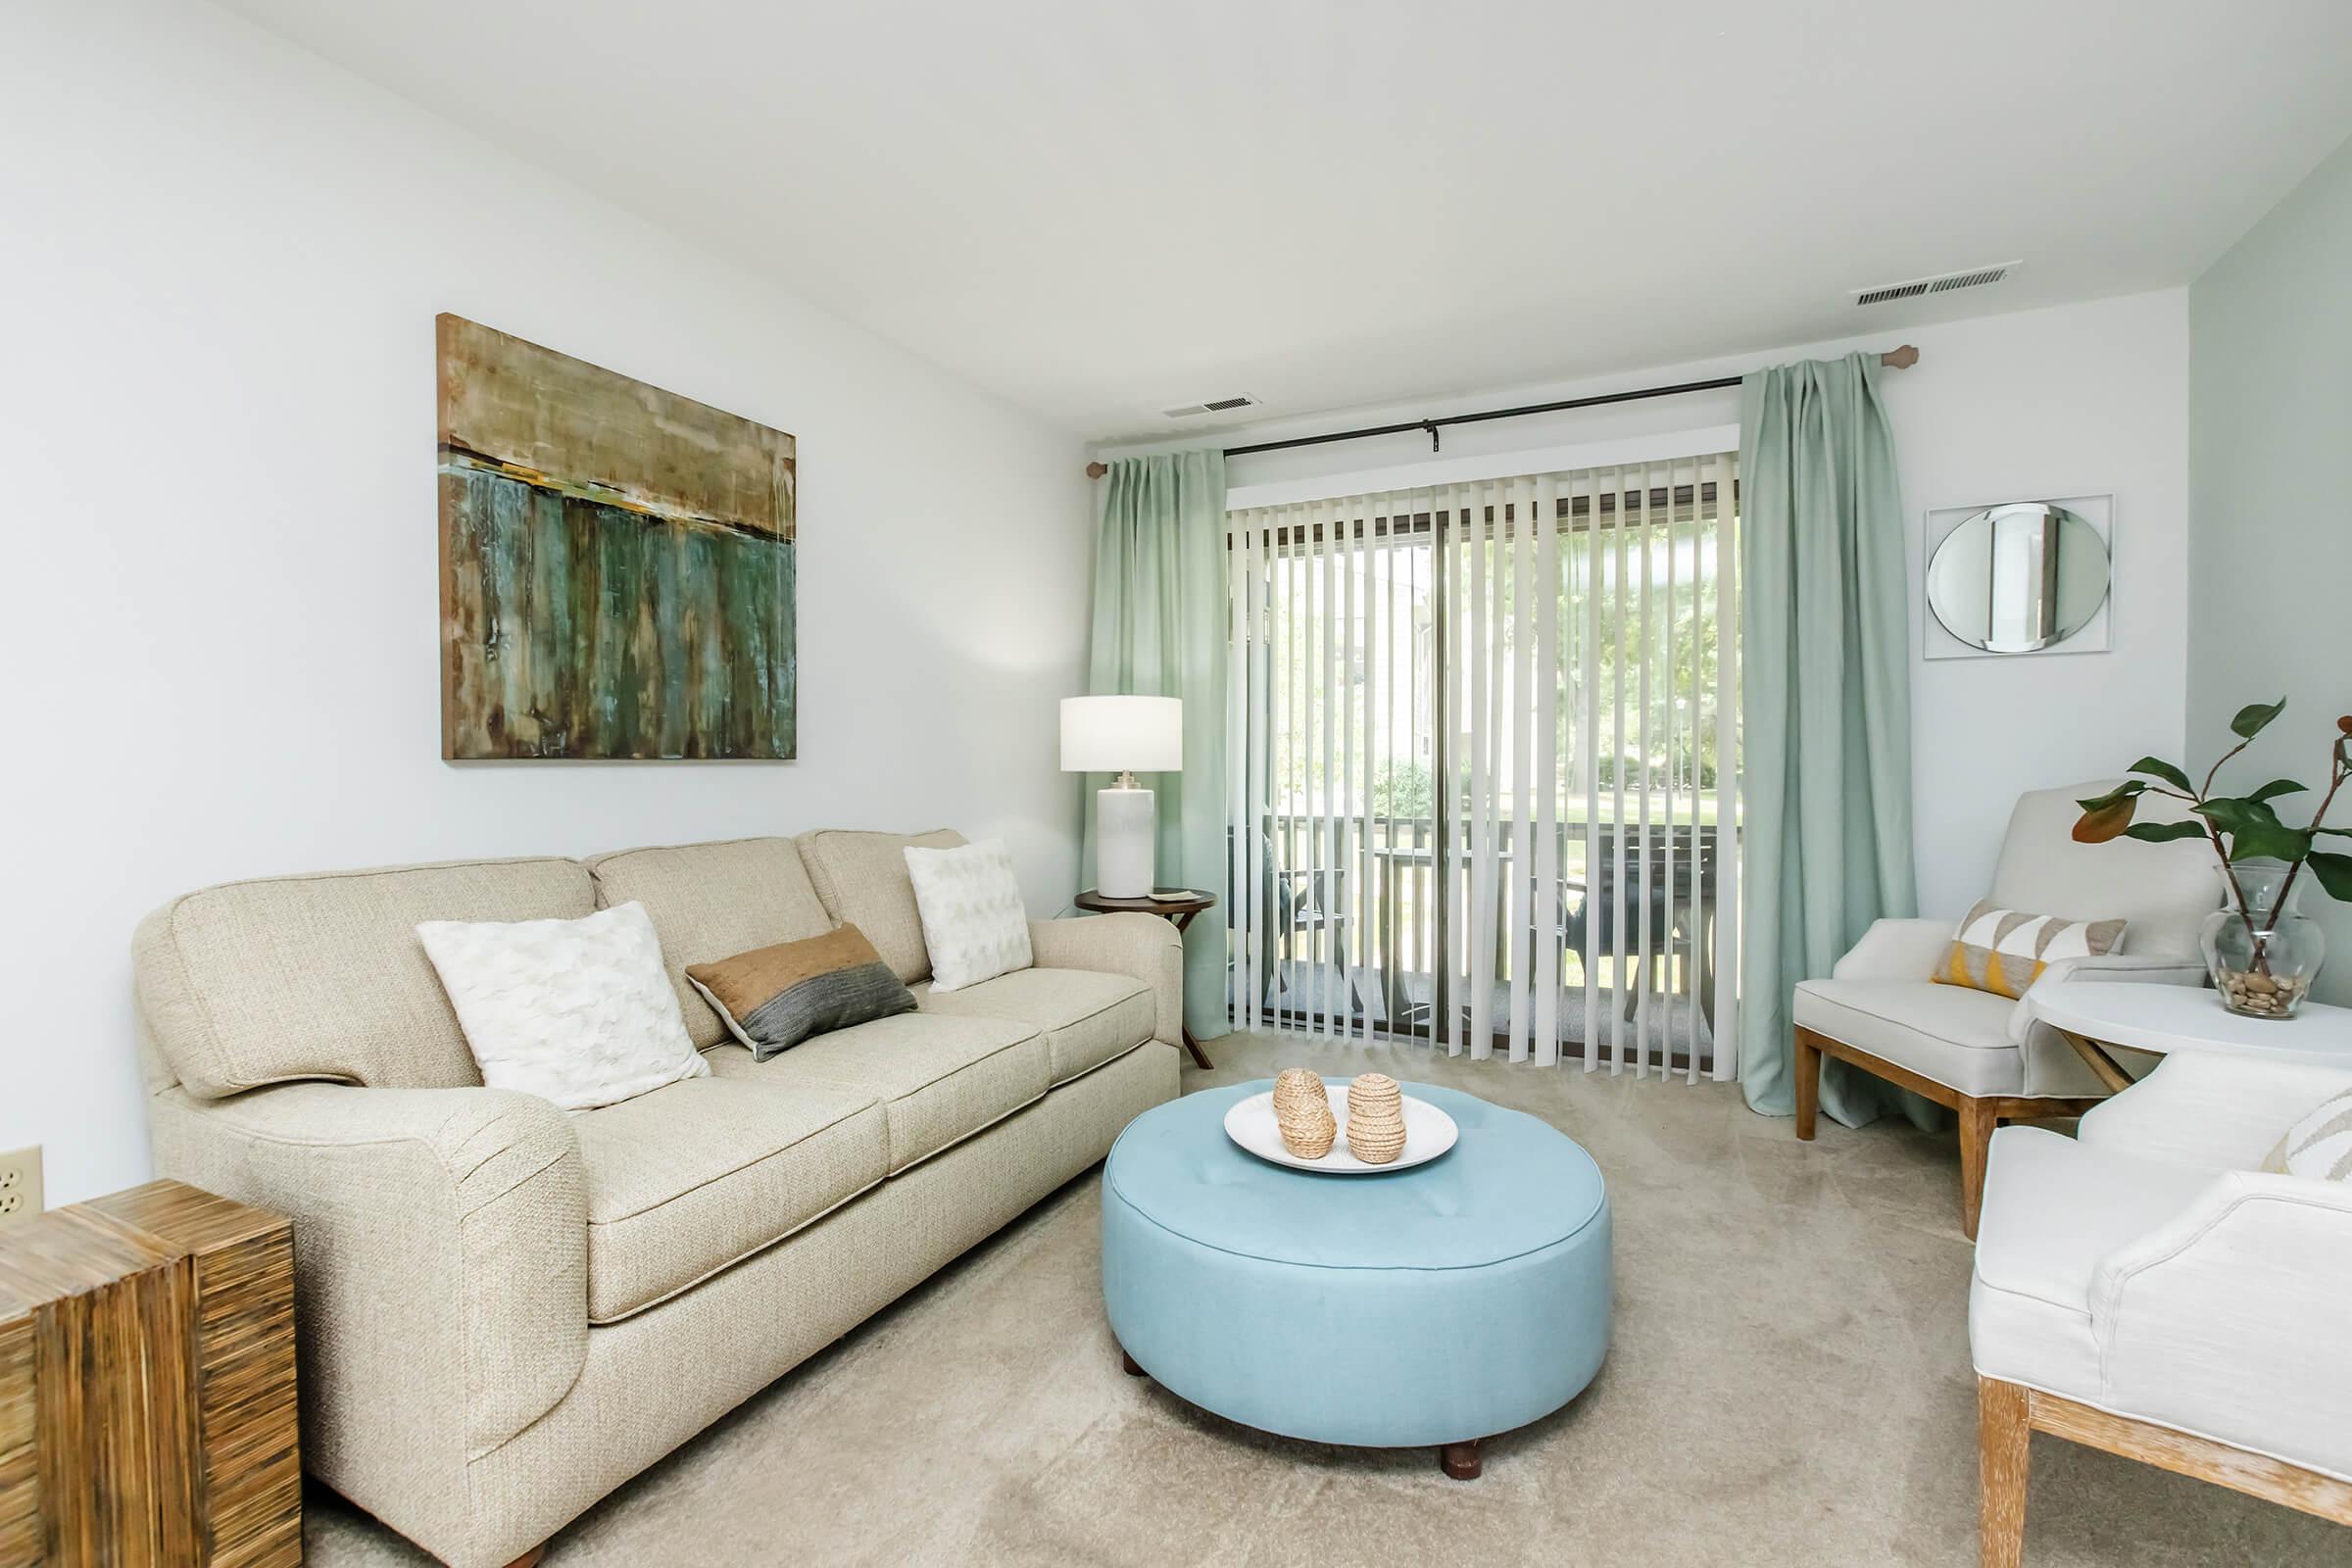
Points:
point(1825, 654)
point(1159, 631)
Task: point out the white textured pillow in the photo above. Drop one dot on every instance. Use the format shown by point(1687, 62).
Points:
point(579, 1013)
point(973, 921)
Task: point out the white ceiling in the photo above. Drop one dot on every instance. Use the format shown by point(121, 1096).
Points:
point(1103, 207)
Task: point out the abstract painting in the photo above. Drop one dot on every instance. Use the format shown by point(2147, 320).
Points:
point(617, 563)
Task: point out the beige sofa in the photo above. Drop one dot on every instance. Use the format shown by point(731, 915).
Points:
point(505, 1310)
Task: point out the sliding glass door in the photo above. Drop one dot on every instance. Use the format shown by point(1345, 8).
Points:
point(1483, 749)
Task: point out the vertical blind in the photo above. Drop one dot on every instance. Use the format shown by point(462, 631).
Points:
point(1483, 750)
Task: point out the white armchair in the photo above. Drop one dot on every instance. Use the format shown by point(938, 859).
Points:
point(2147, 1290)
point(1984, 1056)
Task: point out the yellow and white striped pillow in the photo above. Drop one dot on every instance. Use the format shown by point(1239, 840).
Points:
point(2319, 1144)
point(2003, 951)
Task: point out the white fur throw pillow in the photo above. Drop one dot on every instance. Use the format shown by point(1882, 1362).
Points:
point(579, 1013)
point(973, 921)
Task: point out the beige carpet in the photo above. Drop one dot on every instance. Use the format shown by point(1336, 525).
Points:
point(1788, 1384)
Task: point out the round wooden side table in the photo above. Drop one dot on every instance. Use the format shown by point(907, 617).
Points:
point(1180, 910)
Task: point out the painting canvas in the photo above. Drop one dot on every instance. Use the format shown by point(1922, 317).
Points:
point(617, 563)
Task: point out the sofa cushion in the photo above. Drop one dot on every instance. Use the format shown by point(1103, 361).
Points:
point(863, 879)
point(1089, 1017)
point(1958, 1037)
point(709, 902)
point(693, 1177)
point(940, 1079)
point(2053, 1208)
point(322, 976)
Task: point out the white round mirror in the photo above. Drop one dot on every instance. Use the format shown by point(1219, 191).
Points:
point(2014, 579)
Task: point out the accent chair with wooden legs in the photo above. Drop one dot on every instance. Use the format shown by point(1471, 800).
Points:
point(2147, 1288)
point(1984, 1056)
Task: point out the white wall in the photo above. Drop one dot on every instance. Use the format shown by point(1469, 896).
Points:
point(2271, 552)
point(222, 263)
point(2074, 399)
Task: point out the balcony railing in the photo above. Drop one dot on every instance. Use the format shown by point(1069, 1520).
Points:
point(1392, 927)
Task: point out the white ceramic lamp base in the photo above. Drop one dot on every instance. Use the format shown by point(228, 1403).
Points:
point(1125, 836)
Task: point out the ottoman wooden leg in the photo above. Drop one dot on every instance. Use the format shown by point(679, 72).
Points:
point(1462, 1460)
point(1127, 1364)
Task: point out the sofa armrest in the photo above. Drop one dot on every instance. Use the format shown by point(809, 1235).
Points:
point(1143, 946)
point(2223, 1319)
point(441, 1271)
point(2213, 1111)
point(1897, 949)
point(2152, 968)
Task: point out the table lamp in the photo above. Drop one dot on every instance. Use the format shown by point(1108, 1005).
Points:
point(1126, 736)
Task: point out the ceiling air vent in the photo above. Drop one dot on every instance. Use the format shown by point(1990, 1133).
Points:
point(1940, 283)
point(1214, 406)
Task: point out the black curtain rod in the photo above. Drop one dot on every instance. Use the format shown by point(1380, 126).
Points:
point(1433, 426)
point(1900, 358)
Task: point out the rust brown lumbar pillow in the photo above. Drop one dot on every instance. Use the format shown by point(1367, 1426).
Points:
point(772, 998)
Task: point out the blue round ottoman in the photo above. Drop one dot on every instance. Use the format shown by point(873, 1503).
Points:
point(1431, 1306)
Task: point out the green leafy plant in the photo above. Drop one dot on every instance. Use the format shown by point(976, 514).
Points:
point(2241, 827)
point(1403, 789)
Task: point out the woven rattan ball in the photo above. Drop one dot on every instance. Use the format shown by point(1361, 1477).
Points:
point(1303, 1113)
point(1375, 1119)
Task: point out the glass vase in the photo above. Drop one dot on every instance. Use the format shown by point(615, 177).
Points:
point(2264, 958)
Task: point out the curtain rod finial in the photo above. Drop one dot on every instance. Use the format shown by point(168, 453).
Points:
point(1901, 359)
point(1096, 470)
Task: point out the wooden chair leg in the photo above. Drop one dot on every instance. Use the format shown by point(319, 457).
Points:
point(1808, 1086)
point(1976, 1122)
point(2004, 1447)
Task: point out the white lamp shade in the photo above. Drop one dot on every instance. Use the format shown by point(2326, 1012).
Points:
point(1122, 734)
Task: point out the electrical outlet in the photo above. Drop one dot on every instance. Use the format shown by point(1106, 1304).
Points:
point(20, 1184)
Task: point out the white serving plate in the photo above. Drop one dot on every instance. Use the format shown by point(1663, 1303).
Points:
point(1428, 1133)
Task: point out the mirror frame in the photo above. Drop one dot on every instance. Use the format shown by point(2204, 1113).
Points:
point(2075, 509)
